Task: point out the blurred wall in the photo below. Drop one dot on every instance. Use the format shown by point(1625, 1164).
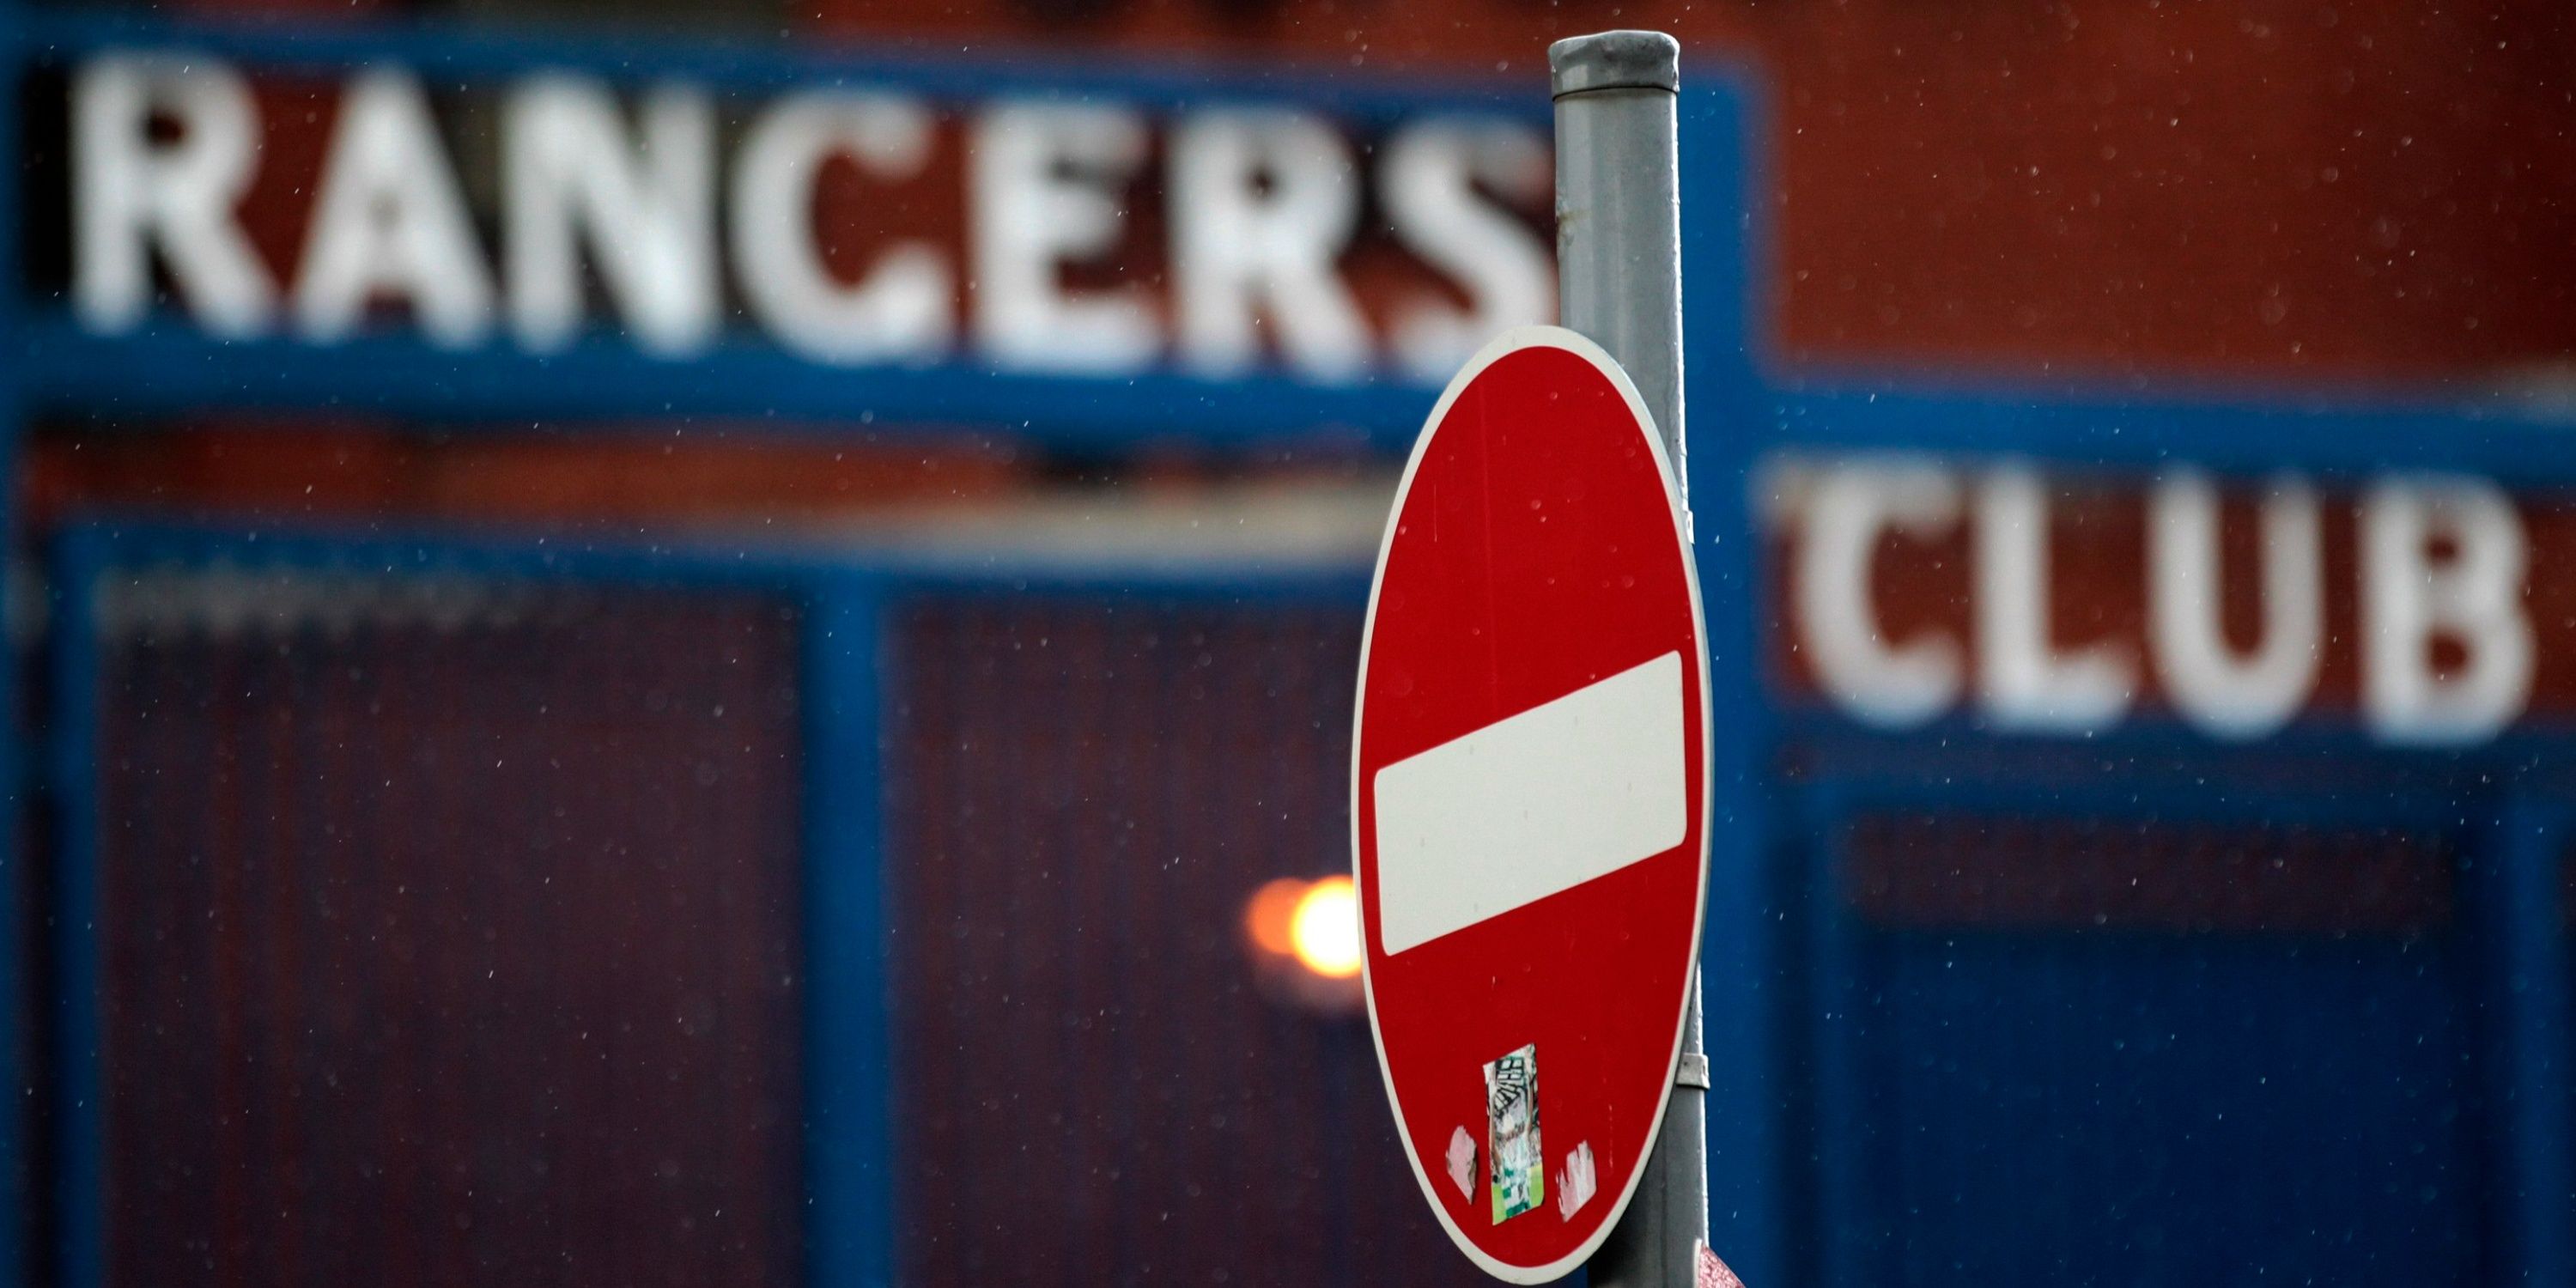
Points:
point(2361, 190)
point(2376, 193)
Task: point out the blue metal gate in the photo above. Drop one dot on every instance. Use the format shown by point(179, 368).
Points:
point(435, 912)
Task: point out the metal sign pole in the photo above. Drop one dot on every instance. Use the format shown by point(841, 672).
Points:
point(1619, 276)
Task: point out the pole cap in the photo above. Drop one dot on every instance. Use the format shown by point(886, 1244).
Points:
point(1615, 60)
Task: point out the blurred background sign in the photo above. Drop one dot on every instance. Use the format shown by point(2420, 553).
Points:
point(707, 642)
point(1246, 219)
point(975, 241)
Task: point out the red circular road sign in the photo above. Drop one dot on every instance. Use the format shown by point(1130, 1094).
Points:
point(1529, 800)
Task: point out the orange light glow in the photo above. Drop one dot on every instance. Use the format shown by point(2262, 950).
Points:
point(1326, 929)
point(1267, 917)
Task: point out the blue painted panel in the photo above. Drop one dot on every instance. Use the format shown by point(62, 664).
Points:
point(20, 935)
point(79, 1180)
point(172, 370)
point(2530, 995)
point(1750, 1201)
point(2074, 1110)
point(2344, 440)
point(2027, 1096)
point(850, 1056)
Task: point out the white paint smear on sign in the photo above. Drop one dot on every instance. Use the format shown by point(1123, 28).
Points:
point(1532, 805)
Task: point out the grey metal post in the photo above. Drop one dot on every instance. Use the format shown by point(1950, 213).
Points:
point(1619, 276)
point(1618, 210)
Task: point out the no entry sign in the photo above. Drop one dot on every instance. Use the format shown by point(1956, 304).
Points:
point(1530, 800)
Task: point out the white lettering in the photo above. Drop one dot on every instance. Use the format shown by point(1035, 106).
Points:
point(132, 194)
point(389, 219)
point(2028, 685)
point(1851, 508)
point(1262, 205)
point(1429, 176)
point(1047, 180)
point(572, 173)
point(608, 202)
point(902, 309)
point(2217, 691)
point(2473, 599)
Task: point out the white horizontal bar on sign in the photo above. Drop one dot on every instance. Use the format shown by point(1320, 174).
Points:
point(1572, 789)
